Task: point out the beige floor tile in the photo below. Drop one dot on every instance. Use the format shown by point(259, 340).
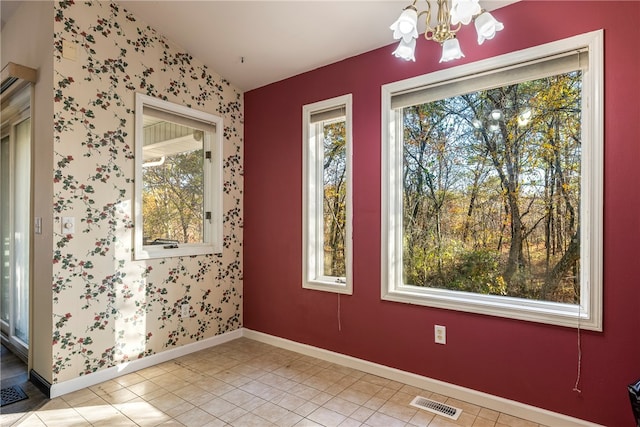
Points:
point(106, 387)
point(402, 398)
point(341, 406)
point(170, 381)
point(119, 396)
point(179, 409)
point(374, 403)
point(356, 396)
point(251, 420)
point(171, 423)
point(233, 414)
point(512, 421)
point(350, 422)
point(143, 413)
point(321, 398)
point(238, 397)
point(253, 403)
point(194, 394)
point(421, 418)
point(78, 397)
point(57, 416)
point(382, 420)
point(306, 409)
point(217, 406)
point(130, 379)
point(167, 401)
point(289, 401)
point(270, 412)
point(326, 417)
point(402, 412)
point(483, 422)
point(116, 421)
point(151, 372)
point(305, 422)
point(196, 417)
point(289, 420)
point(215, 386)
point(97, 409)
point(362, 414)
point(304, 391)
point(30, 420)
point(489, 414)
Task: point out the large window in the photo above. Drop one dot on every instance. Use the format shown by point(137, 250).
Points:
point(493, 186)
point(178, 180)
point(327, 195)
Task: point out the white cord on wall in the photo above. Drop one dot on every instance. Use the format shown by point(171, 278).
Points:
point(575, 387)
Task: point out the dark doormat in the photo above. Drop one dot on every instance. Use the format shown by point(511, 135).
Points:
point(12, 394)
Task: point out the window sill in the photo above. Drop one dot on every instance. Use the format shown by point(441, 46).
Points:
point(568, 315)
point(160, 251)
point(329, 286)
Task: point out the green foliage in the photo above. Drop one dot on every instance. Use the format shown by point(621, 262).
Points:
point(491, 206)
point(172, 200)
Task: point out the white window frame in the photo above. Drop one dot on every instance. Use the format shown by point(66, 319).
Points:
point(312, 200)
point(212, 142)
point(588, 313)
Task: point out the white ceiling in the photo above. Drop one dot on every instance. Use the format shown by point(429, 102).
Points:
point(254, 43)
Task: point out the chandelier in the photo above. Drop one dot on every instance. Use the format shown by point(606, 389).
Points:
point(449, 21)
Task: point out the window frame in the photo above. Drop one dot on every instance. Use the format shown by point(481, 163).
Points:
point(212, 192)
point(588, 313)
point(312, 196)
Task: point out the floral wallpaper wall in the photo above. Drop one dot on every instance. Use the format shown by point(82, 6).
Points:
point(107, 308)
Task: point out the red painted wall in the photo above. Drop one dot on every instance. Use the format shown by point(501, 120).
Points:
point(526, 362)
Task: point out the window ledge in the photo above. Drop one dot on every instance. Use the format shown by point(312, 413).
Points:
point(159, 251)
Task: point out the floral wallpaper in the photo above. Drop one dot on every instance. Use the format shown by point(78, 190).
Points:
point(107, 308)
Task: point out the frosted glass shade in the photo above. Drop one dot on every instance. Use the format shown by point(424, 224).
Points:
point(405, 27)
point(451, 50)
point(463, 10)
point(405, 50)
point(487, 26)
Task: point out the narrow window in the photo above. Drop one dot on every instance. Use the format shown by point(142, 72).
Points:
point(493, 186)
point(178, 180)
point(327, 195)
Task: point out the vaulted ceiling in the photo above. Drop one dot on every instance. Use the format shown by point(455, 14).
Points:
point(254, 43)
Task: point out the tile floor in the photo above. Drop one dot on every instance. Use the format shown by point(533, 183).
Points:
point(247, 383)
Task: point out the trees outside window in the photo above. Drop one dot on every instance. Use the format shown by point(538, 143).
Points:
point(494, 187)
point(327, 195)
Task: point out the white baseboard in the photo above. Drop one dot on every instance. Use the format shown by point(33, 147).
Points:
point(511, 407)
point(58, 389)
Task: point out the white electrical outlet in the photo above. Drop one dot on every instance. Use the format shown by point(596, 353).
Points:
point(184, 310)
point(440, 333)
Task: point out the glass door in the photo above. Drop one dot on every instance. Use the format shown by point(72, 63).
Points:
point(15, 220)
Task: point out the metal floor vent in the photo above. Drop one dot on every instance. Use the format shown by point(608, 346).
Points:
point(11, 395)
point(436, 407)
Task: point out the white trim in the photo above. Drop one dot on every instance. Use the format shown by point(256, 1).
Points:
point(586, 315)
point(213, 182)
point(312, 218)
point(507, 406)
point(59, 389)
